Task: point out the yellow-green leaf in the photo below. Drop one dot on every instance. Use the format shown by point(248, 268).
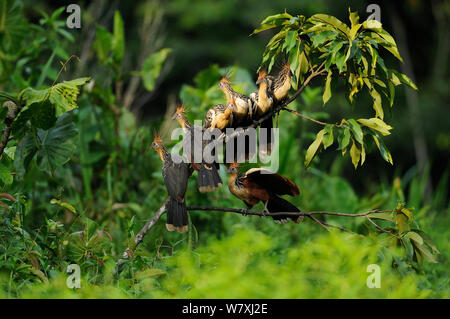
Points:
point(376, 124)
point(312, 149)
point(414, 236)
point(327, 92)
point(355, 154)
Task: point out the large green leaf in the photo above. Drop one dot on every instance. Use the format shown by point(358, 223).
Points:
point(152, 67)
point(52, 147)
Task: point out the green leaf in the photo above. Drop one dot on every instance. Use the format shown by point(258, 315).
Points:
point(402, 223)
point(62, 204)
point(43, 114)
point(356, 130)
point(276, 17)
point(103, 44)
point(414, 236)
point(327, 92)
point(383, 150)
point(388, 41)
point(312, 149)
point(118, 38)
point(52, 148)
point(290, 41)
point(397, 78)
point(377, 106)
point(328, 137)
point(322, 37)
point(376, 124)
point(152, 68)
point(384, 216)
point(355, 154)
point(426, 253)
point(344, 140)
point(64, 95)
point(330, 20)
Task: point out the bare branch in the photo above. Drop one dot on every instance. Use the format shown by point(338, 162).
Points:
point(140, 236)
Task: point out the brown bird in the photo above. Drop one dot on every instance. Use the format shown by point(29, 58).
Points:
point(263, 100)
point(220, 116)
point(244, 104)
point(176, 174)
point(263, 97)
point(281, 84)
point(258, 184)
point(208, 178)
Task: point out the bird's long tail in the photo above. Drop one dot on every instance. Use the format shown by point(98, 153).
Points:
point(208, 179)
point(177, 218)
point(266, 140)
point(277, 205)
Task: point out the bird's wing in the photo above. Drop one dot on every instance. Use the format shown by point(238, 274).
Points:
point(175, 178)
point(273, 182)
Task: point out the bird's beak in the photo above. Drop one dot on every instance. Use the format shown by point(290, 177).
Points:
point(174, 116)
point(258, 81)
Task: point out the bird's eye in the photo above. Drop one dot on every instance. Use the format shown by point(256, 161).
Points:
point(155, 145)
point(178, 116)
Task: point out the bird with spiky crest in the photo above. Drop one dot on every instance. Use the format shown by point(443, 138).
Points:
point(175, 172)
point(281, 84)
point(244, 112)
point(219, 116)
point(208, 178)
point(258, 184)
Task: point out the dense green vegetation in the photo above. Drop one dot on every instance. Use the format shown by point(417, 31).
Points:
point(79, 180)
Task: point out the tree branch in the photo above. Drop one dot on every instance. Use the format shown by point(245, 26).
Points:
point(129, 251)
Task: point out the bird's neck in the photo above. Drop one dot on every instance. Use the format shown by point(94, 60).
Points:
point(164, 155)
point(184, 123)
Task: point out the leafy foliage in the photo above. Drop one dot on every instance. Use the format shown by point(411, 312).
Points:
point(349, 54)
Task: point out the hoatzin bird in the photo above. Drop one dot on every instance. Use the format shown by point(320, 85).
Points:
point(244, 104)
point(176, 174)
point(208, 178)
point(220, 116)
point(263, 100)
point(258, 184)
point(281, 84)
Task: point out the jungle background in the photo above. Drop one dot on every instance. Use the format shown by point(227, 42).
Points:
point(88, 209)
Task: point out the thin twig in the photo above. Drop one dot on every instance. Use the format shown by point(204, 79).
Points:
point(140, 236)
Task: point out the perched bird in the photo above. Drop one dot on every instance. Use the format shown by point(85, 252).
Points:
point(281, 84)
point(220, 116)
point(244, 104)
point(263, 97)
point(176, 174)
point(208, 178)
point(263, 100)
point(258, 184)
